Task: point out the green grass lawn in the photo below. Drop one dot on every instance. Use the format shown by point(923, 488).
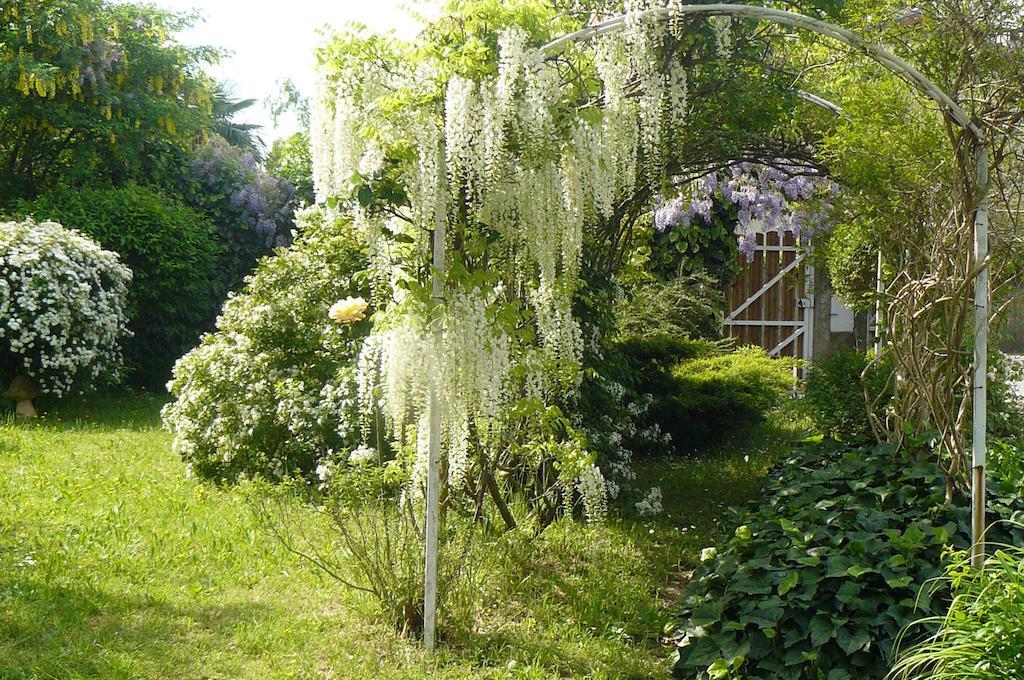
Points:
point(113, 564)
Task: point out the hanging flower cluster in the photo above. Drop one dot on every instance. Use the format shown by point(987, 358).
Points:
point(62, 306)
point(783, 198)
point(343, 136)
point(462, 360)
point(497, 164)
point(261, 204)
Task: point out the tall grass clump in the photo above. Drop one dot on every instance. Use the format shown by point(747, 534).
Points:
point(981, 636)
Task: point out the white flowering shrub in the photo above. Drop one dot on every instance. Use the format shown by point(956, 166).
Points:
point(62, 307)
point(272, 392)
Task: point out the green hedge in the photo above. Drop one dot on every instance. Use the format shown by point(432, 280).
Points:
point(701, 390)
point(834, 397)
point(172, 251)
point(828, 567)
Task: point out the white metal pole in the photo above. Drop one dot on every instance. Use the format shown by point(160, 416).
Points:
point(433, 519)
point(981, 319)
point(879, 291)
point(809, 313)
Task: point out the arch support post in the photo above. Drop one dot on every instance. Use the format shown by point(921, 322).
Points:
point(981, 322)
point(433, 499)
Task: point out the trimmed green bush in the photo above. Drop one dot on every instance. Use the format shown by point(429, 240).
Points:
point(688, 306)
point(827, 568)
point(700, 399)
point(661, 395)
point(272, 392)
point(835, 393)
point(172, 251)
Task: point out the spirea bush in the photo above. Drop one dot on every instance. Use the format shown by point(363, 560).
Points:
point(173, 252)
point(272, 392)
point(62, 307)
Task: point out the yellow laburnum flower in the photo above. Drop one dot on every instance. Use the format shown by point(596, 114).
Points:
point(348, 310)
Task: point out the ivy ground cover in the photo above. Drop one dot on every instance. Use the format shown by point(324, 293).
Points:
point(836, 559)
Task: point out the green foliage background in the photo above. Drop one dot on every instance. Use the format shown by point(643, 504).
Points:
point(172, 251)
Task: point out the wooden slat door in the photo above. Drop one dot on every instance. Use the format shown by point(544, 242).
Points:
point(766, 306)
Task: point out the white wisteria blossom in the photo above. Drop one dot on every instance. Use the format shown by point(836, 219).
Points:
point(591, 486)
point(62, 306)
point(650, 504)
point(491, 158)
point(464, 360)
point(722, 26)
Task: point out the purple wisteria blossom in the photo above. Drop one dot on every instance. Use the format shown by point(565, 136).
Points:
point(263, 204)
point(782, 197)
point(99, 59)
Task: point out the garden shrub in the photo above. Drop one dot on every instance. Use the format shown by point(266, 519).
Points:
point(852, 262)
point(661, 395)
point(1006, 460)
point(701, 399)
point(981, 636)
point(172, 251)
point(834, 396)
point(1005, 399)
point(613, 407)
point(272, 392)
point(62, 307)
point(684, 307)
point(827, 567)
point(661, 351)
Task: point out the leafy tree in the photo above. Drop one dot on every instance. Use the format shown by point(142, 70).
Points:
point(523, 262)
point(92, 90)
point(290, 160)
point(911, 194)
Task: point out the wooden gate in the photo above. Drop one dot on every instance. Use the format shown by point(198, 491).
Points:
point(770, 305)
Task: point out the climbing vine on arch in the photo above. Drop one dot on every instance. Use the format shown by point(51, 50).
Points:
point(539, 166)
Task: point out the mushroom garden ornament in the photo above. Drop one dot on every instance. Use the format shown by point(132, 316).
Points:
point(23, 391)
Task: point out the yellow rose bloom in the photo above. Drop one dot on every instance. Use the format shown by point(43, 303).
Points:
point(348, 310)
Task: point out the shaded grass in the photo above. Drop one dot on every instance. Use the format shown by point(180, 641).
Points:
point(699, 488)
point(113, 564)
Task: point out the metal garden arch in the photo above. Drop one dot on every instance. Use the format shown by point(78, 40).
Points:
point(980, 259)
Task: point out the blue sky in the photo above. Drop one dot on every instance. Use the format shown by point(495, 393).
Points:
point(273, 40)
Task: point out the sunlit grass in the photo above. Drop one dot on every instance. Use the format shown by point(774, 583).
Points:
point(113, 564)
